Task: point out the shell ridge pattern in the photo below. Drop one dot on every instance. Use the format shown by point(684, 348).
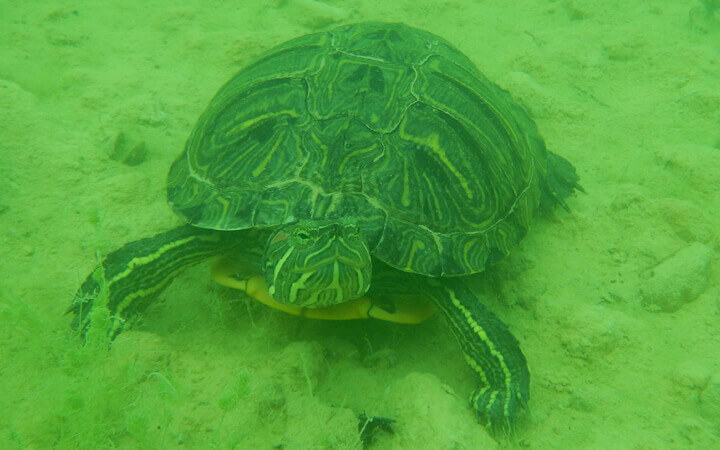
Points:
point(381, 122)
point(193, 174)
point(518, 195)
point(510, 134)
point(413, 66)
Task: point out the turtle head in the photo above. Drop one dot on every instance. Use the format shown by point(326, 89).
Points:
point(317, 263)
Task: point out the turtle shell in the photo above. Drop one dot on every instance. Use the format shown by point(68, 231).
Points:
point(383, 123)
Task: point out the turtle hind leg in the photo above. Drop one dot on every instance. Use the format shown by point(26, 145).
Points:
point(560, 182)
point(136, 273)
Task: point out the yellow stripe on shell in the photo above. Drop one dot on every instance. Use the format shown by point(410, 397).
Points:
point(432, 141)
point(263, 164)
point(416, 245)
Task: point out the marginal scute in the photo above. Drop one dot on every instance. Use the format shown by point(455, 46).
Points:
point(408, 247)
point(291, 59)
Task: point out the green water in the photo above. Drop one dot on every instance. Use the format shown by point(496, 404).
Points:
point(616, 304)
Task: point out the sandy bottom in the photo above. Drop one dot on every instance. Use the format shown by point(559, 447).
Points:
point(615, 303)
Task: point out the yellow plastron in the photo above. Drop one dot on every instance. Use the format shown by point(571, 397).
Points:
point(406, 309)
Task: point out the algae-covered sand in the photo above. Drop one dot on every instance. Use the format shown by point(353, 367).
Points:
point(615, 303)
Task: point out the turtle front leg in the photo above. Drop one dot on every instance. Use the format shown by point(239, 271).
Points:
point(490, 350)
point(136, 273)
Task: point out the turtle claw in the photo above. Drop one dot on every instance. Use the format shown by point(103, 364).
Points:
point(499, 410)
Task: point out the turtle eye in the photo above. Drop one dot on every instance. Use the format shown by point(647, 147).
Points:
point(301, 236)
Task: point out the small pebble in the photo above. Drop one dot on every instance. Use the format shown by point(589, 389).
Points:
point(121, 149)
point(691, 375)
point(678, 280)
point(593, 332)
point(687, 220)
point(137, 155)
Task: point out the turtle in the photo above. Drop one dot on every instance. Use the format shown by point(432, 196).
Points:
point(366, 171)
